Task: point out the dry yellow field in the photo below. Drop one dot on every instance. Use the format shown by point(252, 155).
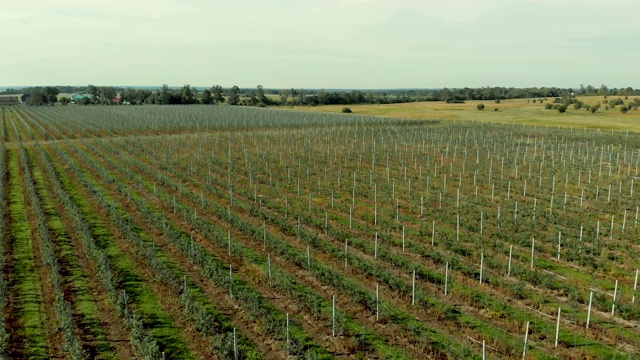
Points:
point(520, 111)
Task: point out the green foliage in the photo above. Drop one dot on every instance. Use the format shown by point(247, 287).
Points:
point(548, 106)
point(234, 96)
point(480, 106)
point(206, 99)
point(346, 110)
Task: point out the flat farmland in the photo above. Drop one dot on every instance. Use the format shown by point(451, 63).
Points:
point(508, 111)
point(199, 232)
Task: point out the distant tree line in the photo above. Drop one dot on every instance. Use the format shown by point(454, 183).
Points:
point(260, 96)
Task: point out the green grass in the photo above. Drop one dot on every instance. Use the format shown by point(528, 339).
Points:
point(31, 312)
point(516, 111)
point(84, 302)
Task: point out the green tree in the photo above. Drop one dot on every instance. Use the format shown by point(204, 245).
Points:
point(206, 97)
point(261, 96)
point(480, 107)
point(186, 95)
point(603, 91)
point(37, 97)
point(284, 96)
point(234, 95)
point(107, 94)
point(164, 97)
point(301, 96)
point(216, 94)
point(94, 91)
point(253, 99)
point(51, 94)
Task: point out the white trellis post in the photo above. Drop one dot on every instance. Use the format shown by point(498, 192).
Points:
point(446, 277)
point(413, 289)
point(557, 327)
point(377, 301)
point(346, 253)
point(589, 311)
point(635, 287)
point(375, 247)
point(481, 266)
point(615, 293)
point(433, 232)
point(269, 265)
point(288, 336)
point(333, 316)
point(526, 340)
point(611, 233)
point(533, 247)
point(510, 253)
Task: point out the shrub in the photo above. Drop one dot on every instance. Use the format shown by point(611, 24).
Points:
point(496, 109)
point(480, 107)
point(346, 110)
point(548, 106)
point(562, 108)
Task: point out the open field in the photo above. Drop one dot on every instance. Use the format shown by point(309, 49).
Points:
point(231, 232)
point(513, 111)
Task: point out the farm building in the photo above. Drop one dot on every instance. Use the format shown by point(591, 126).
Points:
point(78, 97)
point(9, 100)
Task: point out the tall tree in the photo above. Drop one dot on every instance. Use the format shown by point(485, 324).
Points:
point(206, 97)
point(284, 96)
point(94, 91)
point(107, 94)
point(216, 94)
point(51, 94)
point(186, 95)
point(234, 95)
point(164, 97)
point(261, 97)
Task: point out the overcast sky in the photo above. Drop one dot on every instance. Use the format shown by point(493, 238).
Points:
point(321, 43)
